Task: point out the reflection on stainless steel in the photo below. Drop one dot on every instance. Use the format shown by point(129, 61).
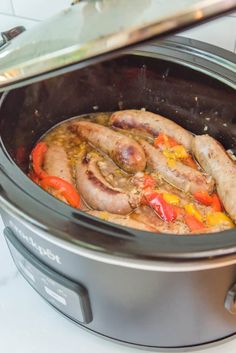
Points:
point(89, 29)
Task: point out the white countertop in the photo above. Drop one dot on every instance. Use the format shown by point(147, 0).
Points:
point(29, 325)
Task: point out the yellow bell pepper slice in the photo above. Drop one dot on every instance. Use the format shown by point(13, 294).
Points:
point(192, 210)
point(171, 198)
point(171, 162)
point(175, 153)
point(104, 215)
point(168, 153)
point(216, 218)
point(180, 152)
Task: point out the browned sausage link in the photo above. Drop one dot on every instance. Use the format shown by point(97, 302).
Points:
point(56, 163)
point(214, 159)
point(180, 175)
point(96, 191)
point(125, 151)
point(152, 123)
point(123, 220)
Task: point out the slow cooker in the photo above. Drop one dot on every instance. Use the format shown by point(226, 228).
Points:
point(139, 288)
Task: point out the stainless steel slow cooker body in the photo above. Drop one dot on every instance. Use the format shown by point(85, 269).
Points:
point(144, 289)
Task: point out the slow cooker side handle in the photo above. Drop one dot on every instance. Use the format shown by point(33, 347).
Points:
point(230, 300)
point(7, 36)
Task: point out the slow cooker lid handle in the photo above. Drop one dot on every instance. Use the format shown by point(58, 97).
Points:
point(10, 34)
point(92, 31)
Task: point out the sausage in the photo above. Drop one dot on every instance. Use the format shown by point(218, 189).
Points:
point(125, 151)
point(97, 192)
point(122, 220)
point(151, 123)
point(214, 159)
point(180, 175)
point(56, 163)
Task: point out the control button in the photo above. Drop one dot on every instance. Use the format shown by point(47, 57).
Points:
point(67, 296)
point(230, 300)
point(55, 295)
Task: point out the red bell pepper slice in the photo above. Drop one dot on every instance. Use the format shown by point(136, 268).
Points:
point(38, 154)
point(216, 204)
point(65, 188)
point(209, 200)
point(203, 197)
point(189, 162)
point(163, 139)
point(193, 223)
point(172, 142)
point(148, 182)
point(164, 210)
point(160, 140)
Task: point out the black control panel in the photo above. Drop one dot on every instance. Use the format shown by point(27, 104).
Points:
point(67, 296)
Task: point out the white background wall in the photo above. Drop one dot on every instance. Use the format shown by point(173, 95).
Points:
point(220, 32)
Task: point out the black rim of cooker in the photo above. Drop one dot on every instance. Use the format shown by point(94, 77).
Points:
point(58, 221)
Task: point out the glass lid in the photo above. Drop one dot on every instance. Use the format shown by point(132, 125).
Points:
point(91, 29)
